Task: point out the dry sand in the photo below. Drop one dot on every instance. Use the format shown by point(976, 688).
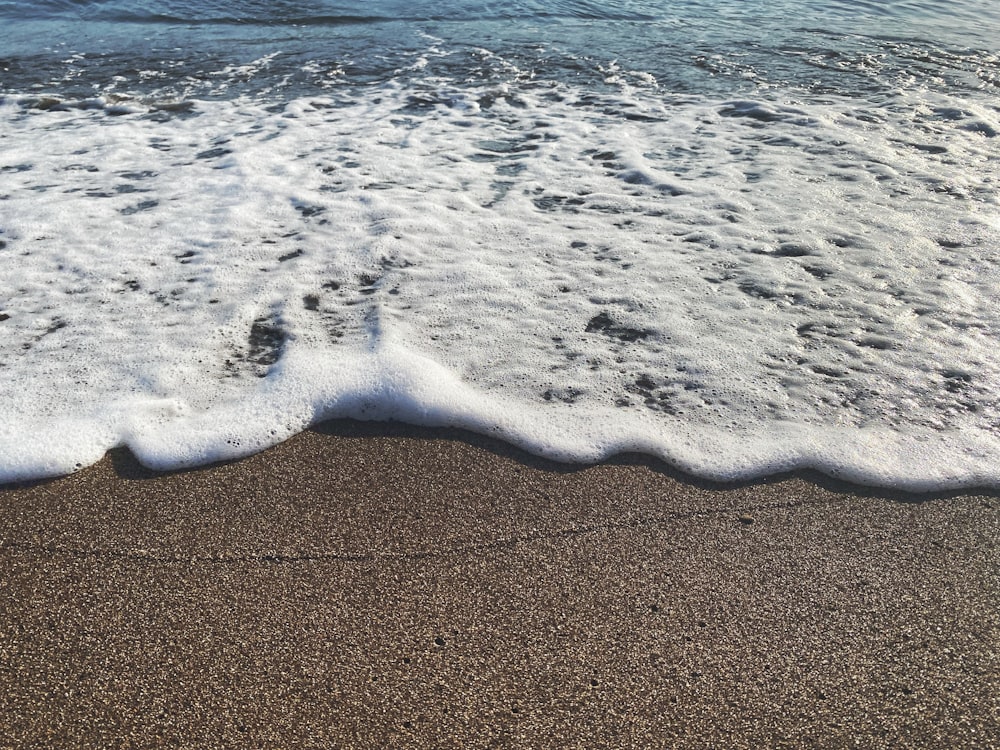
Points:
point(384, 586)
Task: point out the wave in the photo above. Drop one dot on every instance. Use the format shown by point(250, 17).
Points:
point(739, 286)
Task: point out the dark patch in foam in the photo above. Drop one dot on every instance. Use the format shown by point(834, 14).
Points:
point(829, 371)
point(265, 344)
point(982, 128)
point(418, 104)
point(568, 395)
point(758, 291)
point(956, 381)
point(499, 149)
point(141, 206)
point(162, 110)
point(604, 156)
point(793, 250)
point(636, 177)
point(308, 210)
point(500, 190)
point(950, 244)
point(882, 343)
point(80, 168)
point(387, 262)
point(55, 325)
point(604, 324)
point(142, 175)
point(672, 190)
point(213, 153)
point(606, 253)
point(752, 111)
point(510, 169)
point(369, 283)
point(844, 242)
point(654, 395)
point(818, 272)
point(557, 202)
point(929, 148)
point(637, 117)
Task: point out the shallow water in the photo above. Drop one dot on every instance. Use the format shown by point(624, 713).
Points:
point(746, 237)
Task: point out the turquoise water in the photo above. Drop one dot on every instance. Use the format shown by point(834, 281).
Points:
point(704, 47)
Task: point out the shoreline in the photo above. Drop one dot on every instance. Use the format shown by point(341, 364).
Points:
point(373, 584)
point(128, 466)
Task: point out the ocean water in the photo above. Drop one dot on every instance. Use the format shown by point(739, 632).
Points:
point(745, 236)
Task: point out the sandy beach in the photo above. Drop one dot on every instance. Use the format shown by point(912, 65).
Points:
point(367, 585)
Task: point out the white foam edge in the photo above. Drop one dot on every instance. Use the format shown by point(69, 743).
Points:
point(392, 383)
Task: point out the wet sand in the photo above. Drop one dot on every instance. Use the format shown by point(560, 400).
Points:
point(385, 586)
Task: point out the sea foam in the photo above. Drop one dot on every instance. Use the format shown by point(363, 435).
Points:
point(739, 287)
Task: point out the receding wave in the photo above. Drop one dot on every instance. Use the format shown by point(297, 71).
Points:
point(741, 286)
point(583, 237)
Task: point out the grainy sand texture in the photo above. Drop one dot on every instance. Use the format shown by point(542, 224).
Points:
point(380, 586)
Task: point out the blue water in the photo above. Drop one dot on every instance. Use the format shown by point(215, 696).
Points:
point(71, 48)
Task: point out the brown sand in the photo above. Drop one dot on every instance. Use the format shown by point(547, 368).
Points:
point(382, 586)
